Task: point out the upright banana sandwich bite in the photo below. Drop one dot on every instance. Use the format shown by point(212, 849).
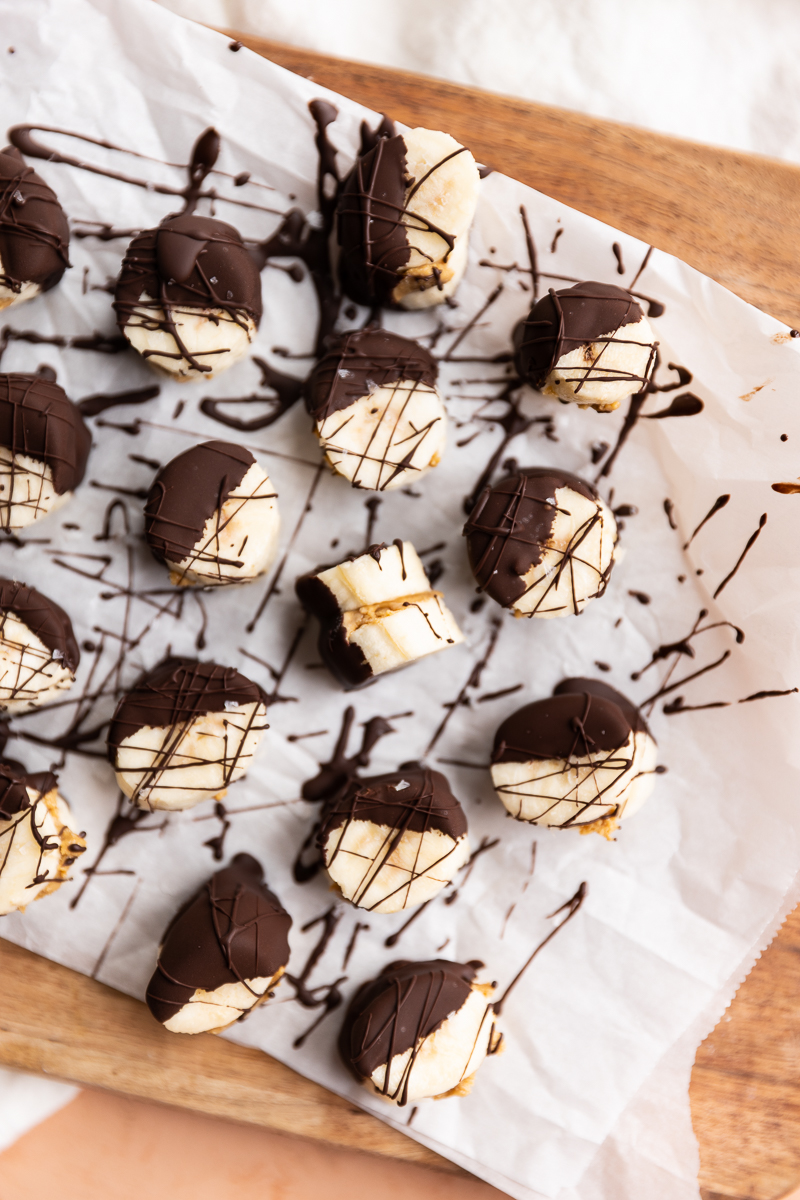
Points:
point(541, 542)
point(188, 297)
point(590, 344)
point(44, 448)
point(378, 416)
point(393, 841)
point(377, 612)
point(222, 954)
point(403, 219)
point(34, 232)
point(37, 844)
point(212, 516)
point(582, 758)
point(184, 733)
point(39, 653)
point(420, 1029)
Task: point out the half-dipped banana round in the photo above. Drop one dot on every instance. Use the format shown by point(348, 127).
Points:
point(212, 516)
point(377, 612)
point(393, 841)
point(37, 844)
point(184, 733)
point(188, 297)
point(378, 416)
point(403, 219)
point(44, 448)
point(34, 232)
point(582, 758)
point(420, 1029)
point(541, 542)
point(39, 654)
point(222, 954)
point(590, 344)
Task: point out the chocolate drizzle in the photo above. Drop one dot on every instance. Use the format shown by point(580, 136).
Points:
point(359, 362)
point(184, 496)
point(34, 233)
point(397, 1011)
point(234, 930)
point(39, 420)
point(508, 531)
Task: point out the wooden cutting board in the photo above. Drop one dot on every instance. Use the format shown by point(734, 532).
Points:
point(735, 217)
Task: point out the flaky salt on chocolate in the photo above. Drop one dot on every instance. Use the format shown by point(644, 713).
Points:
point(34, 232)
point(44, 448)
point(377, 612)
point(584, 758)
point(377, 413)
point(403, 219)
point(393, 841)
point(39, 653)
point(37, 844)
point(212, 516)
point(185, 733)
point(420, 1029)
point(222, 954)
point(590, 344)
point(541, 542)
point(188, 297)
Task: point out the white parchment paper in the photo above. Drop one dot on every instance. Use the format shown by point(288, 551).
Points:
point(590, 1098)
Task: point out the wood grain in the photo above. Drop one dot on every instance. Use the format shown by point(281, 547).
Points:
point(731, 215)
point(56, 1022)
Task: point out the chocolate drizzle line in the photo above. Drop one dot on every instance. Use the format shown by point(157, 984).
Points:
point(473, 681)
point(750, 543)
point(718, 504)
point(92, 406)
point(571, 907)
point(325, 995)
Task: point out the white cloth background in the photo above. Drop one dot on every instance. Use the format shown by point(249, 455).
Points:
point(723, 72)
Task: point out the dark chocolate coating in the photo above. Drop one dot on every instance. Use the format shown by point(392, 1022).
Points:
point(563, 320)
point(596, 687)
point(187, 492)
point(369, 356)
point(37, 418)
point(232, 930)
point(43, 617)
point(372, 238)
point(175, 692)
point(14, 796)
point(509, 527)
point(34, 232)
point(582, 717)
point(427, 803)
point(344, 659)
point(189, 262)
point(395, 1012)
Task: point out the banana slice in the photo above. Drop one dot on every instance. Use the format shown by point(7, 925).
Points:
point(420, 1029)
point(376, 410)
point(34, 232)
point(403, 219)
point(377, 612)
point(37, 844)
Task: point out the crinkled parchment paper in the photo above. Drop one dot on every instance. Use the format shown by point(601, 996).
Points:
point(590, 1098)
